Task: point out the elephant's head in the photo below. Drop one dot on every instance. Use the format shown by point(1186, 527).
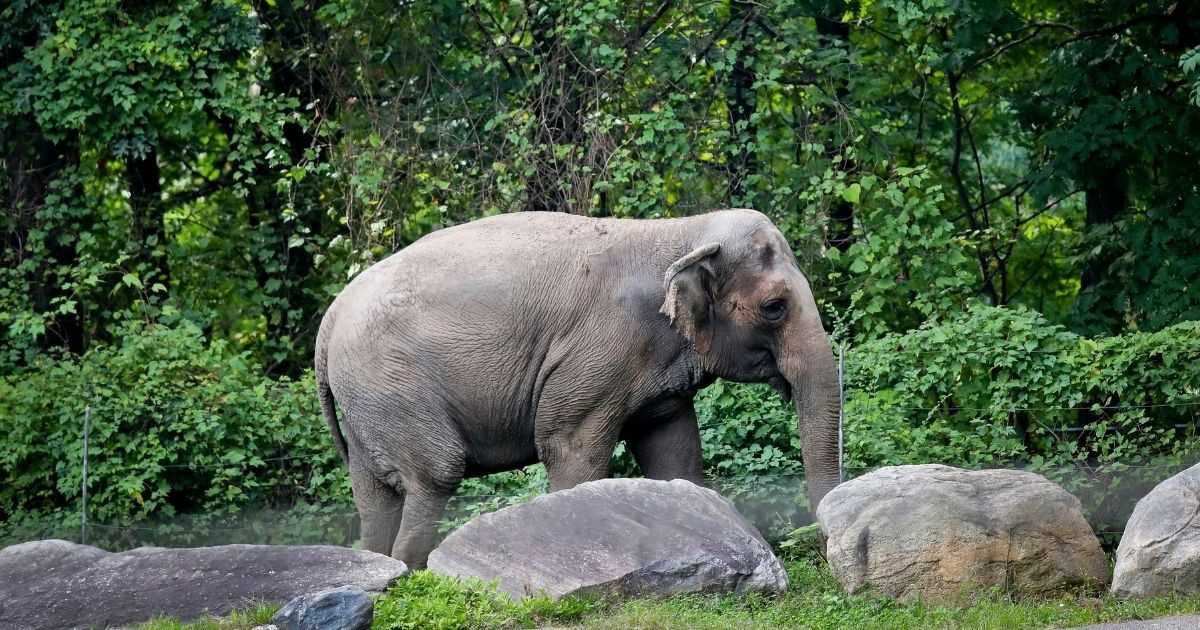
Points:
point(741, 300)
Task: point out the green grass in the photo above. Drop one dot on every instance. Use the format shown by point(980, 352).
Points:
point(239, 620)
point(815, 601)
point(428, 601)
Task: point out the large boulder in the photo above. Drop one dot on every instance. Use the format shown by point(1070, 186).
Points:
point(941, 534)
point(60, 584)
point(1159, 553)
point(615, 538)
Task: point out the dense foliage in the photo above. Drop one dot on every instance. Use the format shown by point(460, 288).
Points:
point(996, 201)
point(181, 424)
point(176, 423)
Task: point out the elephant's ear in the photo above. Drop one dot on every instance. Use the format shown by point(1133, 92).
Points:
point(688, 302)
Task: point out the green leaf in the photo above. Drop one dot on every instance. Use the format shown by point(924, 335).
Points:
point(131, 279)
point(852, 193)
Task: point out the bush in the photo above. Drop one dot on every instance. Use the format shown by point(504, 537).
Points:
point(179, 424)
point(428, 601)
point(480, 495)
point(176, 424)
point(994, 386)
point(990, 387)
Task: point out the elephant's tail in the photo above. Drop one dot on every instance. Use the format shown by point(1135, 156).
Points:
point(325, 394)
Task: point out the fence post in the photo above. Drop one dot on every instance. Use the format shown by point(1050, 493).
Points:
point(841, 411)
point(87, 425)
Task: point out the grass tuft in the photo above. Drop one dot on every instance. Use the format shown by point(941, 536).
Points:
point(428, 601)
point(239, 620)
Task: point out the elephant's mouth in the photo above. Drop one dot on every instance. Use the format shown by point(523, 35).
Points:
point(780, 384)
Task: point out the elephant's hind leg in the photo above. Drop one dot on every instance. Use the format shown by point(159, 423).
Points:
point(418, 528)
point(379, 508)
point(434, 463)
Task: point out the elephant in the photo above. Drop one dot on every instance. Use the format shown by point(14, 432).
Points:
point(540, 336)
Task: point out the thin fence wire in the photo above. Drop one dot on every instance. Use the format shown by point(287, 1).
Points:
point(173, 530)
point(771, 500)
point(872, 405)
point(775, 503)
point(1095, 407)
point(1007, 352)
point(242, 462)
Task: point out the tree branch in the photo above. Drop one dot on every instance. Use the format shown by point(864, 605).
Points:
point(1038, 28)
point(1117, 28)
point(964, 197)
point(636, 36)
point(498, 54)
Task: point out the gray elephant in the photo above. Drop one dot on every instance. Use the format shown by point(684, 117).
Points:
point(550, 337)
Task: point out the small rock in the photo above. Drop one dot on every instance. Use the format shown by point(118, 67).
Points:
point(344, 608)
point(1159, 552)
point(941, 534)
point(60, 584)
point(615, 537)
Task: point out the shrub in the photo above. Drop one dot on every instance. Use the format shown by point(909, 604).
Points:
point(996, 387)
point(181, 424)
point(429, 601)
point(177, 424)
point(990, 386)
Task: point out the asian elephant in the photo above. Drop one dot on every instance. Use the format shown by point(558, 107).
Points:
point(542, 336)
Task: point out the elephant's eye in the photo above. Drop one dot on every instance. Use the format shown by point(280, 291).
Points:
point(773, 309)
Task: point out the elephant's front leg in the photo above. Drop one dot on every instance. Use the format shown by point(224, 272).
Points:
point(666, 442)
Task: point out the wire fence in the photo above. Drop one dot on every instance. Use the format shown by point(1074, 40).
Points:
point(776, 503)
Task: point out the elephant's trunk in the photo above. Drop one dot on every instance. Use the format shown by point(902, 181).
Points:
point(810, 369)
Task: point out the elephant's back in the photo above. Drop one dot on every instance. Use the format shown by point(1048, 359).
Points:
point(500, 289)
point(512, 262)
point(526, 236)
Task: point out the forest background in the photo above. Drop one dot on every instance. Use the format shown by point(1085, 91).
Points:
point(997, 203)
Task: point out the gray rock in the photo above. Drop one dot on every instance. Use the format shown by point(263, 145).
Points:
point(343, 608)
point(941, 534)
point(615, 538)
point(1159, 552)
point(59, 584)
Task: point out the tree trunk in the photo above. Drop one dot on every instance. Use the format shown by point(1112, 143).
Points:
point(742, 160)
point(149, 230)
point(1098, 305)
point(284, 273)
point(556, 108)
point(33, 164)
point(841, 216)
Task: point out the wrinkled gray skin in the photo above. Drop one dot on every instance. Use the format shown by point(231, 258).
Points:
point(542, 336)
